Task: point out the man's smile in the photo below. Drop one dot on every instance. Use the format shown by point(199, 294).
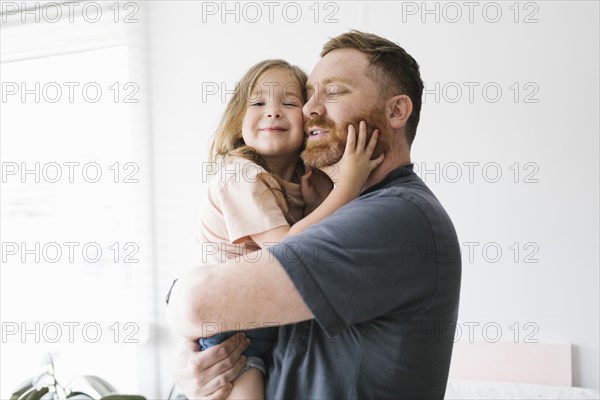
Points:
point(315, 133)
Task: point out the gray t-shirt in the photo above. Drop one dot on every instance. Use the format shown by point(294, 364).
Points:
point(382, 277)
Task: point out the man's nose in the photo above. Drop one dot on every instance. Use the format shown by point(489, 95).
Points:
point(313, 107)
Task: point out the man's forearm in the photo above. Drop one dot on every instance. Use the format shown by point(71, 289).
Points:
point(234, 296)
point(180, 310)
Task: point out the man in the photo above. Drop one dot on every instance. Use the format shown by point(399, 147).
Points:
point(367, 300)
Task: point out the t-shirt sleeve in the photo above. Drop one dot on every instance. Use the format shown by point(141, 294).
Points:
point(247, 204)
point(369, 258)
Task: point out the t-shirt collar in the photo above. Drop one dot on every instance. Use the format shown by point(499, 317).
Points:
point(400, 172)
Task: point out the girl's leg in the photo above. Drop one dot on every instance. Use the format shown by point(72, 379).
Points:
point(249, 386)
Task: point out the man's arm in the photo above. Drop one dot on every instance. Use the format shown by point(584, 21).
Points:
point(250, 293)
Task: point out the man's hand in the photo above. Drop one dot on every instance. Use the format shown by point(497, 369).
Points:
point(208, 374)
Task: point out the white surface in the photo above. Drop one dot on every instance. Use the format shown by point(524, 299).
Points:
point(479, 390)
point(541, 363)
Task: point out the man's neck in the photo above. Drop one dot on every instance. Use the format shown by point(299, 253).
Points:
point(384, 169)
point(397, 155)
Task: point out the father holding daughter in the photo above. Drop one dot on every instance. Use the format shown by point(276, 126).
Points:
point(365, 288)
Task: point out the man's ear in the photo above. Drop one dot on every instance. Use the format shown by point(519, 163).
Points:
point(399, 110)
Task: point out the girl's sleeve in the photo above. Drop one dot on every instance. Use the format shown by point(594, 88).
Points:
point(247, 204)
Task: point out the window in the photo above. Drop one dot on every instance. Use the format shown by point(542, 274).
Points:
point(77, 275)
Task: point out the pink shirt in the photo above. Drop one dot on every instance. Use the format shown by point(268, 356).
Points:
point(241, 205)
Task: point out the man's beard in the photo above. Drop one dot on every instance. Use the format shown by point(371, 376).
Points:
point(328, 150)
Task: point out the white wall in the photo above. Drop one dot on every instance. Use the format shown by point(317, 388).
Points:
point(550, 209)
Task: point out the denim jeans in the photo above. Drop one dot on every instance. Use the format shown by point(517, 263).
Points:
point(262, 341)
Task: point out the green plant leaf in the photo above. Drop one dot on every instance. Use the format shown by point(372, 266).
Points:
point(79, 396)
point(23, 387)
point(37, 394)
point(99, 385)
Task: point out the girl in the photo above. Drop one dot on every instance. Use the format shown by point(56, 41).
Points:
point(259, 187)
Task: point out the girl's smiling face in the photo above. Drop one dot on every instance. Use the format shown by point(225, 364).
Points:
point(273, 123)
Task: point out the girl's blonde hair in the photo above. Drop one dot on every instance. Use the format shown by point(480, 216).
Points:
point(227, 140)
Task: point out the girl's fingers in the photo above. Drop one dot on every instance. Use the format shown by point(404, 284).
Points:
point(307, 175)
point(362, 135)
point(372, 142)
point(351, 139)
point(376, 162)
